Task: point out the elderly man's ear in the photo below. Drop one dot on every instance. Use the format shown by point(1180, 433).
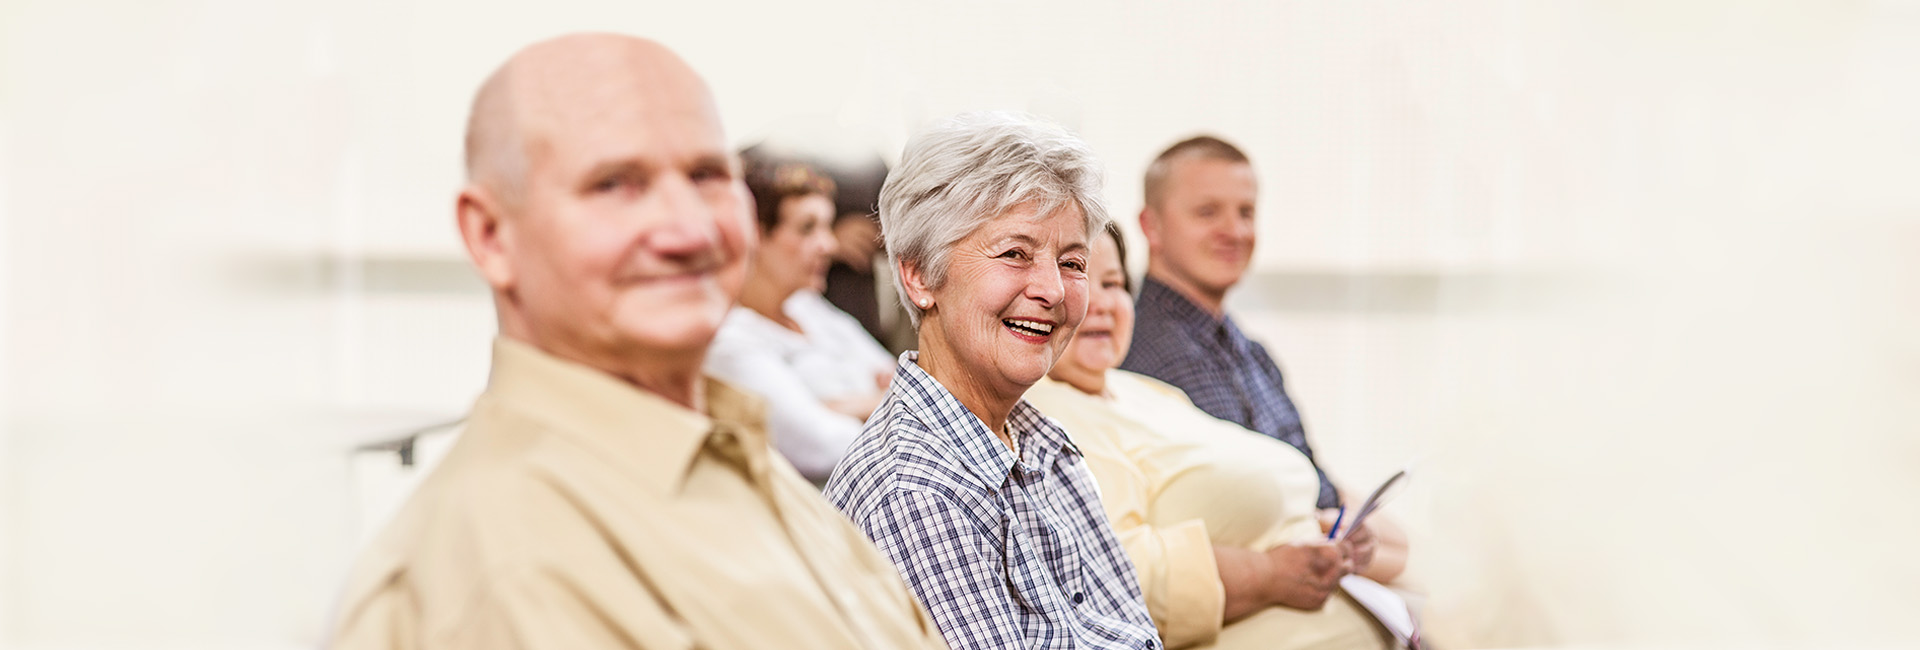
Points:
point(487, 234)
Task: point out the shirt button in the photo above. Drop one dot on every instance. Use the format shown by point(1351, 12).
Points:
point(1079, 597)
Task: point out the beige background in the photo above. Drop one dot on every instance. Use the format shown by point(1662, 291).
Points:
point(1637, 282)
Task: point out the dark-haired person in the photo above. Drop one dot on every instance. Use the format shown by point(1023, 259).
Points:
point(853, 284)
point(819, 371)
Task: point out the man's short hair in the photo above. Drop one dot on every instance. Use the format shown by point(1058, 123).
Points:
point(1200, 146)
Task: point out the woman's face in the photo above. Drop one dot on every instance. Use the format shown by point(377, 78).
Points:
point(1015, 292)
point(1108, 330)
point(794, 254)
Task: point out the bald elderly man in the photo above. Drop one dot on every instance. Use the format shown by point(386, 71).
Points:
point(604, 494)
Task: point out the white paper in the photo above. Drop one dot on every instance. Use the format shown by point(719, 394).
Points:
point(1385, 605)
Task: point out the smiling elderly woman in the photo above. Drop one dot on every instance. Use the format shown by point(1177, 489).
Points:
point(983, 504)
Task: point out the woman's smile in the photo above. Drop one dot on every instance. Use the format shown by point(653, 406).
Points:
point(1030, 330)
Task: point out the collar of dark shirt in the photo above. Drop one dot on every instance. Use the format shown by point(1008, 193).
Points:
point(651, 438)
point(1169, 303)
point(1040, 439)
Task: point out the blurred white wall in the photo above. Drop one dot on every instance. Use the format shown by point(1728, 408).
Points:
point(1636, 281)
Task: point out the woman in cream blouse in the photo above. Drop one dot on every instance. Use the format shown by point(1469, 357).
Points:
point(1219, 521)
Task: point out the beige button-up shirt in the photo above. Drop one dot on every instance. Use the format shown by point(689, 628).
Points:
point(579, 512)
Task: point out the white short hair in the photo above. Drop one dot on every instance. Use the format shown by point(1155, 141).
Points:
point(973, 168)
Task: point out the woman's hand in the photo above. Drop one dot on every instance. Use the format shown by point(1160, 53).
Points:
point(1306, 573)
point(1360, 542)
point(1360, 546)
point(1379, 548)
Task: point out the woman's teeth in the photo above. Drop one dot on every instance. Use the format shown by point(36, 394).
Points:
point(1034, 328)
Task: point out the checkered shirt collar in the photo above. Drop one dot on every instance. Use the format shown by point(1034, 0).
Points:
point(1040, 439)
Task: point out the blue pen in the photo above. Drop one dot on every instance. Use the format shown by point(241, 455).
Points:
point(1335, 530)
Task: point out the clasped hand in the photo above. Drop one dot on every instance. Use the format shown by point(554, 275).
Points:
point(1360, 542)
point(1307, 572)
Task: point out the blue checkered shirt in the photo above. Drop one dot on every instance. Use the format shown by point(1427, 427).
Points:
point(1225, 374)
point(1004, 554)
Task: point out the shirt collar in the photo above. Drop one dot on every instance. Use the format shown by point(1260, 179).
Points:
point(1040, 439)
point(643, 432)
point(1174, 305)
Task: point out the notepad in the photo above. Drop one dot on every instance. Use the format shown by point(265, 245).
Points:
point(1385, 606)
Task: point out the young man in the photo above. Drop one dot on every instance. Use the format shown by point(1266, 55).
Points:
point(1199, 223)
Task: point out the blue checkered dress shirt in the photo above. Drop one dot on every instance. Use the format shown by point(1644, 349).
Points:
point(1004, 554)
point(1225, 374)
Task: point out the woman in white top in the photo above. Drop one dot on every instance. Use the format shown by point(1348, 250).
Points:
point(819, 371)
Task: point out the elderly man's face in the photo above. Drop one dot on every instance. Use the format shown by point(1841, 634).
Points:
point(1203, 229)
point(1015, 293)
point(635, 230)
